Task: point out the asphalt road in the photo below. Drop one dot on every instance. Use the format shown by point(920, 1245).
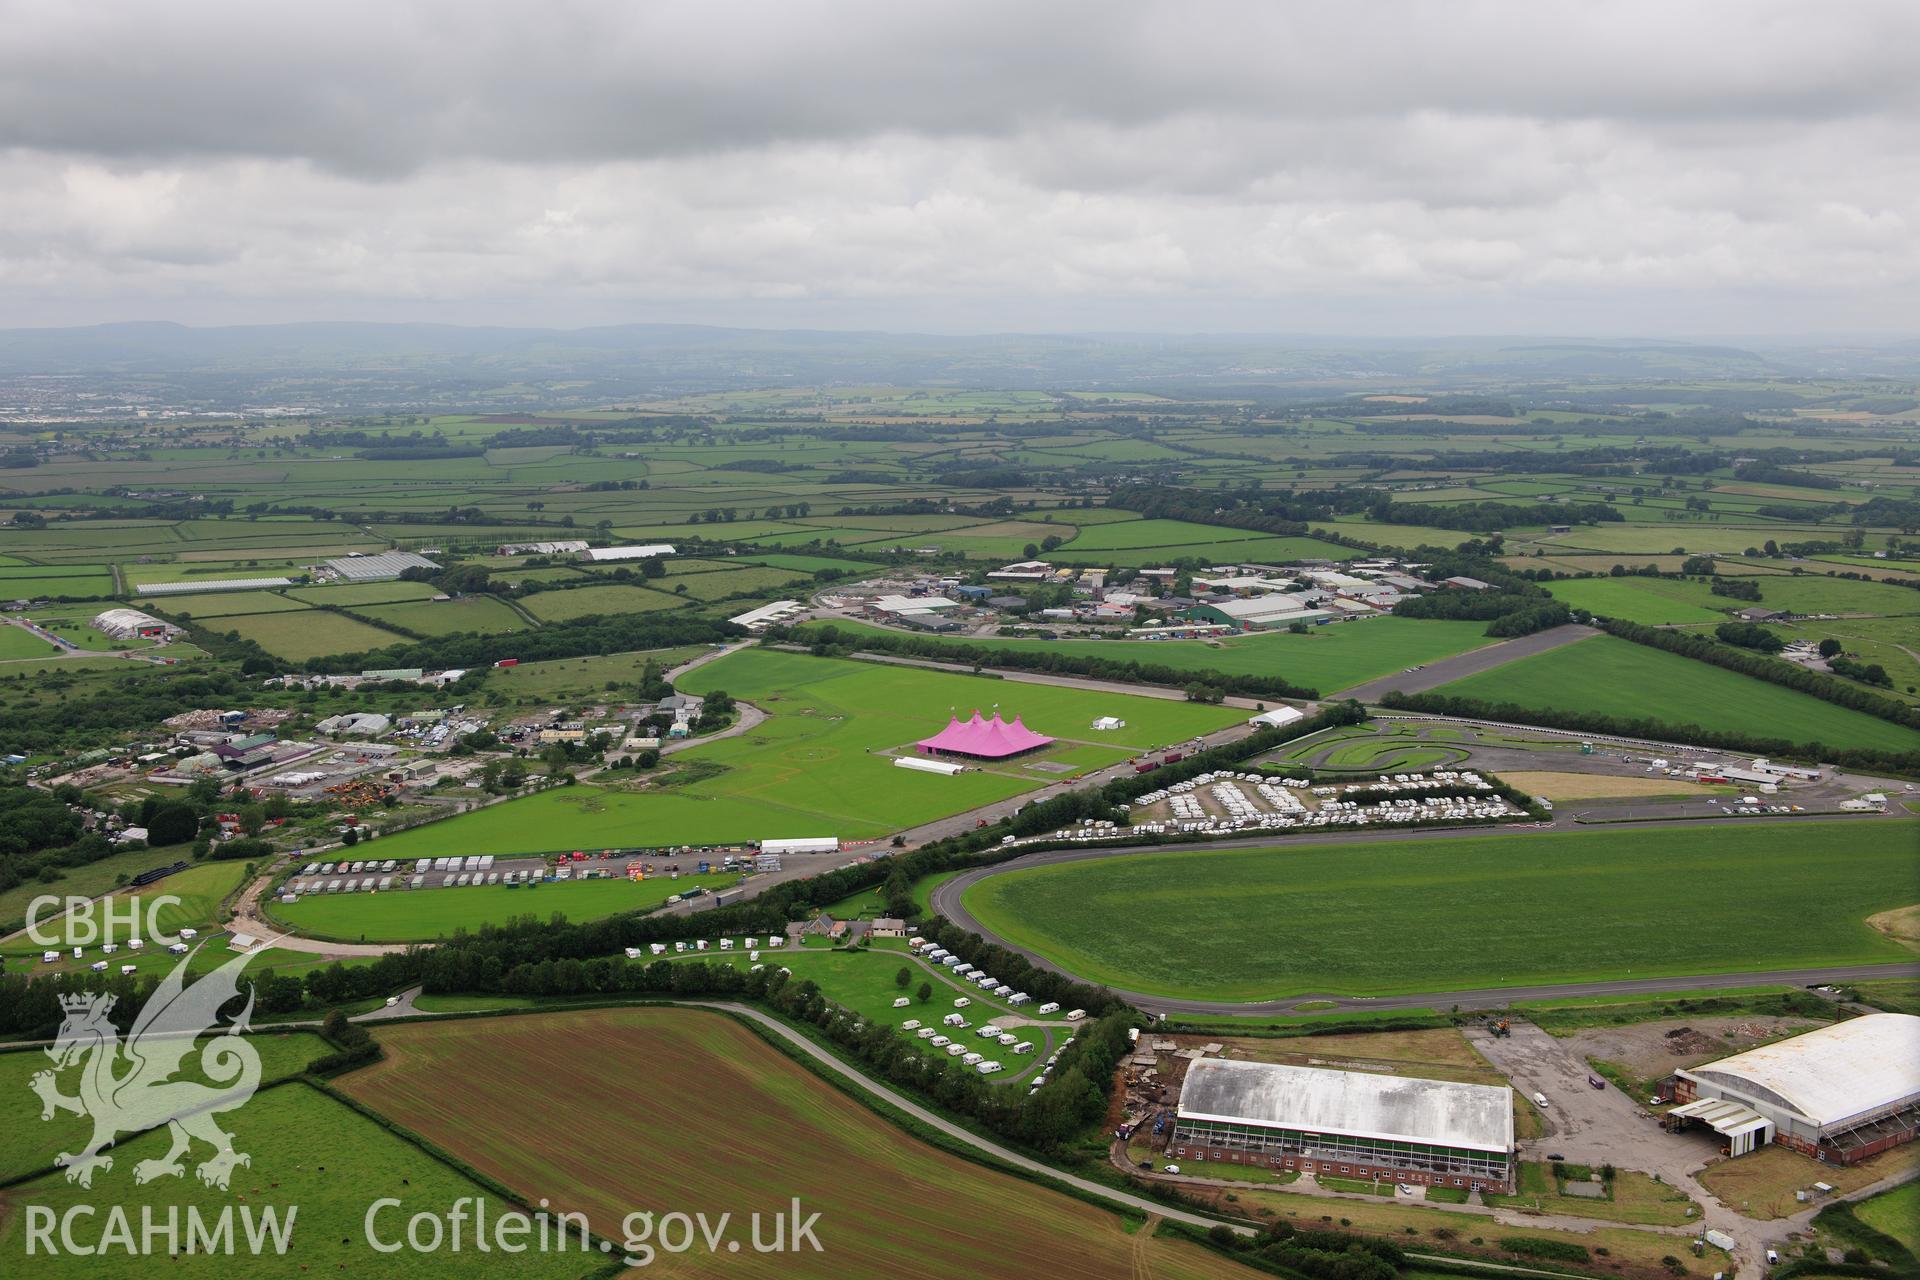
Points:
point(1473, 662)
point(947, 901)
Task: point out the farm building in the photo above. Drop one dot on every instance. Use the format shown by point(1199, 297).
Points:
point(651, 549)
point(1841, 1093)
point(542, 548)
point(126, 624)
point(994, 739)
point(208, 584)
point(378, 568)
point(1466, 584)
point(1346, 1123)
point(1260, 613)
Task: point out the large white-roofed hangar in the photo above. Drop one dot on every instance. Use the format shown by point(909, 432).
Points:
point(1841, 1093)
point(1347, 1124)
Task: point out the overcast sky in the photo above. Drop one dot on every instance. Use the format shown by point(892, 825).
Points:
point(1653, 167)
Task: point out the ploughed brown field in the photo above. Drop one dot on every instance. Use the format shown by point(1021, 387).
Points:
point(613, 1111)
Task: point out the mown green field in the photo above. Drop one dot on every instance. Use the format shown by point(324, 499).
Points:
point(221, 604)
point(809, 769)
point(1378, 917)
point(1652, 601)
point(311, 1155)
point(28, 1143)
point(308, 634)
point(18, 642)
point(421, 915)
point(199, 889)
point(1326, 659)
point(559, 606)
point(1620, 678)
point(1896, 1213)
point(481, 614)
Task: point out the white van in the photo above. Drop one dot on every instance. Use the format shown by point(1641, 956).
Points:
point(1540, 1101)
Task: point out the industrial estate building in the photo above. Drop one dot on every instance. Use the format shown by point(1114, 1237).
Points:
point(1258, 613)
point(767, 614)
point(1347, 1124)
point(1841, 1093)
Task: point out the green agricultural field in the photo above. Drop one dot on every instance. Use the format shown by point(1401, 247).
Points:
point(1240, 549)
point(308, 634)
point(55, 586)
point(359, 593)
point(1652, 601)
point(808, 564)
point(1154, 533)
point(200, 890)
point(481, 614)
point(308, 1151)
point(1895, 1213)
point(597, 676)
point(28, 1143)
point(421, 915)
point(1483, 911)
point(880, 1191)
point(810, 768)
point(18, 642)
point(1327, 658)
point(560, 606)
point(221, 604)
point(88, 881)
point(1811, 593)
point(746, 579)
point(1618, 677)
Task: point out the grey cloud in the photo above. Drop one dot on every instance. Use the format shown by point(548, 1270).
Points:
point(1228, 165)
point(385, 88)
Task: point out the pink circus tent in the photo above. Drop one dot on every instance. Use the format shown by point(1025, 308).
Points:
point(993, 739)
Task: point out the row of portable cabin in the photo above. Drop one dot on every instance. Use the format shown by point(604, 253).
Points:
point(381, 884)
point(752, 944)
point(980, 978)
point(108, 948)
point(477, 862)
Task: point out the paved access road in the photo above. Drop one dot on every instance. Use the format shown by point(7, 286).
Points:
point(947, 901)
point(1473, 662)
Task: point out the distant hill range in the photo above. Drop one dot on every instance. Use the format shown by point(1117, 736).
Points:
point(354, 366)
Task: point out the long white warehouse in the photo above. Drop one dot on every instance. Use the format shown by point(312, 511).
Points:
point(628, 553)
point(947, 767)
point(802, 844)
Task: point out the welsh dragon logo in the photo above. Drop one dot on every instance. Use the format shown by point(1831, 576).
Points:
point(129, 1087)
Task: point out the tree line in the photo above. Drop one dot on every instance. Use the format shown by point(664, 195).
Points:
point(829, 640)
point(1648, 728)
